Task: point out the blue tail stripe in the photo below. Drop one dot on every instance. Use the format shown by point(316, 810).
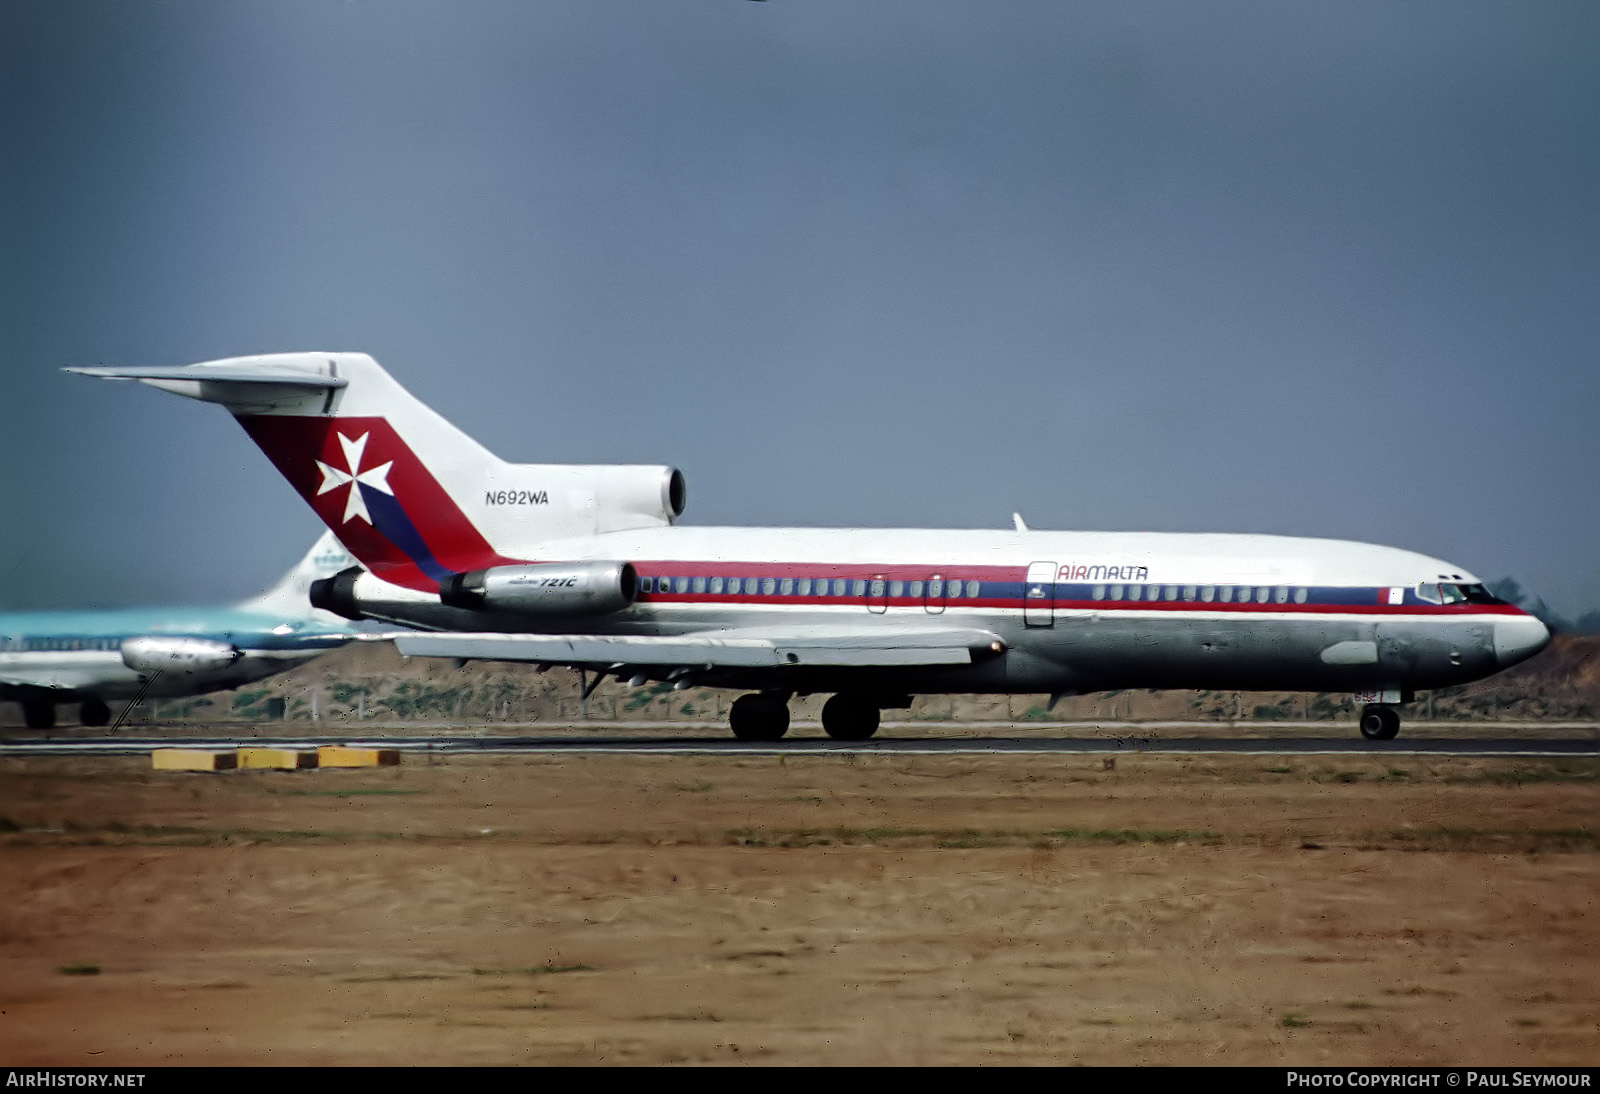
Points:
point(392, 523)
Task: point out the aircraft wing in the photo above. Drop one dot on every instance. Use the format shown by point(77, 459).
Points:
point(718, 649)
point(54, 677)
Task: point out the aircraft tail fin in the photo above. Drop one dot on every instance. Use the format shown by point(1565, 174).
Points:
point(290, 595)
point(380, 468)
point(415, 499)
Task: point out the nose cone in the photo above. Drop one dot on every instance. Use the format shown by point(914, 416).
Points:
point(1517, 638)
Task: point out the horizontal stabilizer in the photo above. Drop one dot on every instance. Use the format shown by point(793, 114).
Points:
point(723, 650)
point(266, 383)
point(215, 372)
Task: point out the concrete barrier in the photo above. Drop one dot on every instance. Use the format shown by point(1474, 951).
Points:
point(279, 759)
point(192, 759)
point(345, 756)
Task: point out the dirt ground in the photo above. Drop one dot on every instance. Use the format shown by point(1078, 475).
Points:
point(803, 909)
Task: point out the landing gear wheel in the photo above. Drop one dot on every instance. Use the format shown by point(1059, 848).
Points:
point(758, 718)
point(847, 718)
point(1379, 722)
point(94, 712)
point(39, 713)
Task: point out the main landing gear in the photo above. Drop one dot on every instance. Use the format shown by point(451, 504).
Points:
point(764, 716)
point(1379, 722)
point(760, 717)
point(39, 713)
point(849, 718)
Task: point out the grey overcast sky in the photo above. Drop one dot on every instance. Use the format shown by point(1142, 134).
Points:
point(1305, 268)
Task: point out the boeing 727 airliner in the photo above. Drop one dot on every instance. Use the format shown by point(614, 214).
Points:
point(582, 566)
point(89, 657)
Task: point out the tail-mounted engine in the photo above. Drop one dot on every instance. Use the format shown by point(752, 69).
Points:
point(553, 588)
point(337, 594)
point(150, 654)
point(528, 502)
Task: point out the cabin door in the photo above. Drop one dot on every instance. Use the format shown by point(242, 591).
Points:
point(1039, 595)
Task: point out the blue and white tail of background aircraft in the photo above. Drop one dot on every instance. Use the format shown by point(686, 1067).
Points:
point(583, 566)
point(95, 657)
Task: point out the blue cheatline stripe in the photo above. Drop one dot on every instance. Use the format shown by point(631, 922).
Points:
point(1320, 599)
point(392, 523)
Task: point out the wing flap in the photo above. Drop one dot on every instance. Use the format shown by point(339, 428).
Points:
point(725, 650)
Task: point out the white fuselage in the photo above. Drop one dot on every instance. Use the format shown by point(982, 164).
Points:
point(1075, 611)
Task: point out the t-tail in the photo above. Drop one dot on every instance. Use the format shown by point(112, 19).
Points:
point(414, 499)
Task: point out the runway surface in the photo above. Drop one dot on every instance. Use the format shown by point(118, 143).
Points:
point(1135, 741)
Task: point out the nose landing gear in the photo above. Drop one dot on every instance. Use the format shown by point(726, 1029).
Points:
point(1379, 722)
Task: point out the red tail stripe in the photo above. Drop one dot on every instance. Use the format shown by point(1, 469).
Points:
point(438, 533)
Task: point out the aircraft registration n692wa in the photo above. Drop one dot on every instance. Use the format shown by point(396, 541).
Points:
point(559, 564)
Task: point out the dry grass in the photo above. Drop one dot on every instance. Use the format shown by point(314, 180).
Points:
point(803, 910)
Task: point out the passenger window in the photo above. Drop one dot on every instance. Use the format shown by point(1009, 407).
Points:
point(1116, 592)
point(1262, 594)
point(1300, 596)
point(955, 588)
point(1282, 595)
point(1189, 592)
point(1208, 593)
point(936, 588)
point(683, 584)
point(769, 586)
point(838, 586)
point(1225, 594)
point(1098, 592)
point(644, 584)
point(859, 587)
point(716, 584)
point(972, 588)
point(735, 585)
point(916, 589)
point(1244, 594)
point(1135, 592)
point(896, 588)
point(699, 585)
point(877, 586)
point(803, 587)
point(1172, 592)
point(786, 587)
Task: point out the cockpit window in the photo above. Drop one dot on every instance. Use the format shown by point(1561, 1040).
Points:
point(1451, 593)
